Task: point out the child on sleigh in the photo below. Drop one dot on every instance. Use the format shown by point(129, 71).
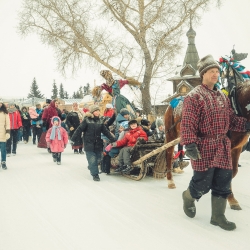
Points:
point(129, 140)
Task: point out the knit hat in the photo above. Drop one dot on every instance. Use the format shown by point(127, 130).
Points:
point(207, 63)
point(124, 124)
point(56, 119)
point(11, 104)
point(132, 122)
point(124, 111)
point(109, 106)
point(93, 108)
point(48, 101)
point(145, 122)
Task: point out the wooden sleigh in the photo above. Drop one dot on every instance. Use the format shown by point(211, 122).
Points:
point(144, 158)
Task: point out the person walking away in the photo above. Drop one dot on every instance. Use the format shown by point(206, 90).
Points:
point(74, 119)
point(127, 142)
point(26, 124)
point(92, 126)
point(37, 124)
point(4, 133)
point(207, 116)
point(15, 125)
point(47, 115)
point(57, 139)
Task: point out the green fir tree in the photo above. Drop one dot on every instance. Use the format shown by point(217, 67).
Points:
point(61, 92)
point(66, 95)
point(54, 91)
point(34, 90)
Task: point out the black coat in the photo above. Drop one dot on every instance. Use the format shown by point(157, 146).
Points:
point(72, 121)
point(92, 127)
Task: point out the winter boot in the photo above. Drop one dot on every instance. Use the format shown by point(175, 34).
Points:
point(75, 151)
point(4, 165)
point(96, 178)
point(58, 159)
point(127, 169)
point(80, 151)
point(218, 214)
point(188, 204)
point(54, 156)
point(119, 169)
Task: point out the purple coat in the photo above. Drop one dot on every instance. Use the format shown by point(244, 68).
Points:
point(56, 145)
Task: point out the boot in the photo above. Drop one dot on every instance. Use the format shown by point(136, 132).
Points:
point(119, 169)
point(127, 169)
point(188, 204)
point(96, 178)
point(4, 165)
point(218, 210)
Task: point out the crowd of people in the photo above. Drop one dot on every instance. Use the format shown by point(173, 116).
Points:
point(100, 137)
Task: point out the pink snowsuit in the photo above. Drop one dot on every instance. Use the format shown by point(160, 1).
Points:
point(56, 145)
point(33, 113)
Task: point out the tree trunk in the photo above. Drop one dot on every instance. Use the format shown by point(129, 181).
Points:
point(145, 91)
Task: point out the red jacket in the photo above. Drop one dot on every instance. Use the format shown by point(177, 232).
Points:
point(15, 120)
point(131, 137)
point(108, 113)
point(48, 113)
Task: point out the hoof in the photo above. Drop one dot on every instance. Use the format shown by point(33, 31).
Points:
point(171, 186)
point(236, 207)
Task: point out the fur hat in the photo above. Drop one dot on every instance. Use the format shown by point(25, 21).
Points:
point(124, 111)
point(109, 106)
point(132, 122)
point(159, 122)
point(93, 108)
point(48, 101)
point(207, 63)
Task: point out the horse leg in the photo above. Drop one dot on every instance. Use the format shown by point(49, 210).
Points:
point(234, 204)
point(169, 157)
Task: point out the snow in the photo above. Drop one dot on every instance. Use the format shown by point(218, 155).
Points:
point(47, 206)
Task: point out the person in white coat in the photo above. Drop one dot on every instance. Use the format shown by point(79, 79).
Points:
point(4, 133)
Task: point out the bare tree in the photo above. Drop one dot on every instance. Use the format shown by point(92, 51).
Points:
point(133, 38)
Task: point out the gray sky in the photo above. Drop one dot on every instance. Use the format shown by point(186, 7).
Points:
point(23, 59)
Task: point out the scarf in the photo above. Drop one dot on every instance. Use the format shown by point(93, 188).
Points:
point(53, 133)
point(12, 110)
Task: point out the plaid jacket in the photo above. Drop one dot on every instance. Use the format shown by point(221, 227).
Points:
point(209, 112)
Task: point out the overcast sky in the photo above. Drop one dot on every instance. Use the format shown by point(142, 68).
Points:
point(23, 59)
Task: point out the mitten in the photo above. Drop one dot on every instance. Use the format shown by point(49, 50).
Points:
point(247, 126)
point(192, 151)
point(108, 148)
point(141, 140)
point(7, 136)
point(71, 128)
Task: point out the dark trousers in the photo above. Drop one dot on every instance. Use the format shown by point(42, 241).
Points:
point(216, 179)
point(12, 141)
point(36, 133)
point(57, 156)
point(26, 131)
point(93, 158)
point(124, 157)
point(106, 164)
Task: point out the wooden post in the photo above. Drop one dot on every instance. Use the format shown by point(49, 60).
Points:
point(156, 151)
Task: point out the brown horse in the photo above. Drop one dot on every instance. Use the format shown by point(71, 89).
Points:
point(238, 140)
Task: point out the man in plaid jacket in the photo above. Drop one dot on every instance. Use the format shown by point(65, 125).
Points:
point(206, 118)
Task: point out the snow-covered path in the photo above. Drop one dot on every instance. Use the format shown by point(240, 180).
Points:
point(44, 206)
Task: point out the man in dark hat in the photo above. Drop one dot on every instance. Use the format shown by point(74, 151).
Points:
point(206, 118)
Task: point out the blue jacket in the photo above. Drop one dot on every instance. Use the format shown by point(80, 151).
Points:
point(39, 118)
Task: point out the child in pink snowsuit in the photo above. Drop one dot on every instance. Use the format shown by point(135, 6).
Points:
point(57, 139)
point(33, 115)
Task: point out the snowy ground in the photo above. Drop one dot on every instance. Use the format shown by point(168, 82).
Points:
point(50, 207)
